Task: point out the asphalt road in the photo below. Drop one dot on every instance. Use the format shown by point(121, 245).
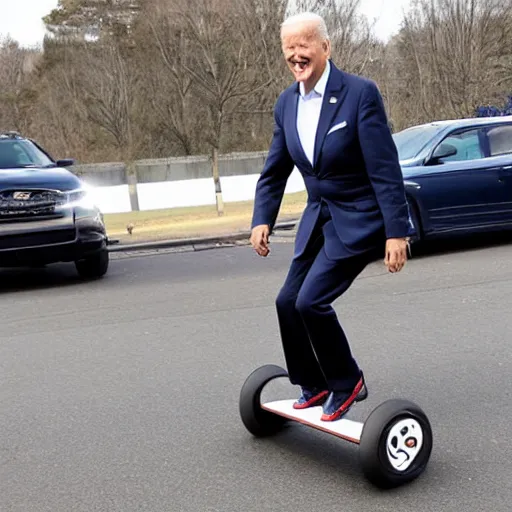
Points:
point(122, 394)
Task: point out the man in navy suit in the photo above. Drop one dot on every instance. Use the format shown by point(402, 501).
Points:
point(333, 127)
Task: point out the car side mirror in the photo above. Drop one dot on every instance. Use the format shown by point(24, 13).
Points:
point(66, 162)
point(442, 151)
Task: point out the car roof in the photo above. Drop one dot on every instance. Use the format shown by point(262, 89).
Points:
point(470, 121)
point(11, 136)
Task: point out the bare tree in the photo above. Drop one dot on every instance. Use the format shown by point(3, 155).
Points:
point(458, 52)
point(171, 96)
point(15, 67)
point(261, 20)
point(110, 90)
point(107, 86)
point(223, 64)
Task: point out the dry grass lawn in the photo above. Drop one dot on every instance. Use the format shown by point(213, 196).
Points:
point(194, 221)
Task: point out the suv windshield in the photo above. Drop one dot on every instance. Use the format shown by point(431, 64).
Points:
point(411, 141)
point(16, 154)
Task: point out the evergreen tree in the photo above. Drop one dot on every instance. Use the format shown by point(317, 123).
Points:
point(91, 19)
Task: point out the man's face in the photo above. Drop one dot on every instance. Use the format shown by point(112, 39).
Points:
point(305, 53)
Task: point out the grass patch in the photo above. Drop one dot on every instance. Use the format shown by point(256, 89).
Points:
point(194, 221)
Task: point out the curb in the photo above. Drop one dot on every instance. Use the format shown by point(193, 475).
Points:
point(214, 240)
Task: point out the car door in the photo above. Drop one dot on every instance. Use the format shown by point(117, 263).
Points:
point(499, 139)
point(463, 190)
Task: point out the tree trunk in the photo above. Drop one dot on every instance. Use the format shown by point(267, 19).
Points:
point(131, 178)
point(216, 180)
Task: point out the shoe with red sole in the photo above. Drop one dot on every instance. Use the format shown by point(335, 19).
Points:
point(339, 402)
point(311, 398)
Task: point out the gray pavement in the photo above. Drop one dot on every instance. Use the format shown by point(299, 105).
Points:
point(122, 394)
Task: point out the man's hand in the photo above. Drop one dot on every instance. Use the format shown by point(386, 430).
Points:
point(259, 239)
point(396, 254)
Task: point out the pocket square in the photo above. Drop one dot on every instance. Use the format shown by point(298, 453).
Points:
point(337, 127)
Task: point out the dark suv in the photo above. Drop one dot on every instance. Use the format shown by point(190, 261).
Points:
point(46, 213)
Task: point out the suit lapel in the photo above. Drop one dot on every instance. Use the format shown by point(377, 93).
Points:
point(291, 128)
point(333, 98)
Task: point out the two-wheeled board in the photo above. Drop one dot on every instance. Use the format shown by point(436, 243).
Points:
point(395, 440)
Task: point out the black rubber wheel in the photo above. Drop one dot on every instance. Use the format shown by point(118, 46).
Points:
point(396, 443)
point(94, 266)
point(258, 421)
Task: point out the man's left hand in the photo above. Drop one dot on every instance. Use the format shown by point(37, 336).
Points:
point(396, 254)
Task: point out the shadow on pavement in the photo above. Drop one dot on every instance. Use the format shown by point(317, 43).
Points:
point(29, 279)
point(325, 452)
point(457, 244)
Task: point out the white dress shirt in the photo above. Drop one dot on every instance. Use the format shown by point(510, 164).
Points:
point(308, 113)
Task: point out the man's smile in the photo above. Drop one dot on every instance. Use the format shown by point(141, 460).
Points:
point(299, 64)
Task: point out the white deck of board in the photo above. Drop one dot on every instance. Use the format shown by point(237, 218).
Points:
point(347, 429)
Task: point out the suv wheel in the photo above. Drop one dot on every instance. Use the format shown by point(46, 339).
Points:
point(94, 266)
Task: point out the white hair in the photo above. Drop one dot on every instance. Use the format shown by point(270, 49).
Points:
point(308, 16)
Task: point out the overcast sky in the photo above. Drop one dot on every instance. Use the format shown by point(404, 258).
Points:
point(22, 18)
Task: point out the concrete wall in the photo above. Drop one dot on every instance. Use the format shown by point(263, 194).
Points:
point(170, 169)
point(175, 182)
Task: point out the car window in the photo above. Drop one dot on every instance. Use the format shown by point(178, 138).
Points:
point(468, 144)
point(411, 141)
point(500, 140)
point(21, 153)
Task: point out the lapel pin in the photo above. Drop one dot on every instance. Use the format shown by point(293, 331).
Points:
point(333, 100)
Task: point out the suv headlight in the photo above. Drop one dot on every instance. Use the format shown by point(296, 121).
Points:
point(81, 197)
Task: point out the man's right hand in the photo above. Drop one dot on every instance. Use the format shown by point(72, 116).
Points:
point(259, 239)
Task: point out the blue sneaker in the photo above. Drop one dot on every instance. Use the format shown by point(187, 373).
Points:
point(339, 402)
point(310, 398)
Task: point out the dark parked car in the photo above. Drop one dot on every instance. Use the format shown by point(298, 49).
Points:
point(458, 175)
point(46, 214)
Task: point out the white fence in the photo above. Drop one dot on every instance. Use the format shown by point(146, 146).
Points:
point(172, 194)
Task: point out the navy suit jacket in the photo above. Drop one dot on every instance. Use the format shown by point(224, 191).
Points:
point(356, 170)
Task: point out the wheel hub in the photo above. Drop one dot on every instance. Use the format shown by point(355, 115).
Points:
point(403, 443)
